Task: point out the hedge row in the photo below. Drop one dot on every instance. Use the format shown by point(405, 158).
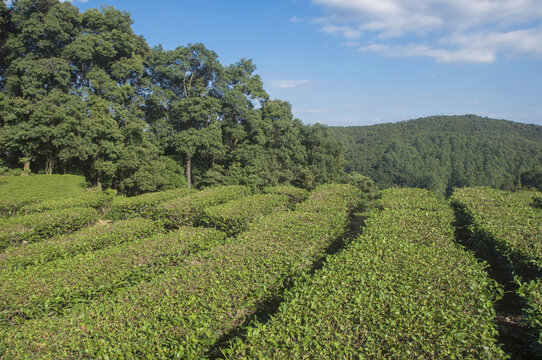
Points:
point(10, 207)
point(90, 198)
point(142, 205)
point(47, 289)
point(188, 210)
point(331, 198)
point(19, 191)
point(409, 198)
point(295, 194)
point(504, 223)
point(88, 239)
point(531, 293)
point(234, 216)
point(185, 311)
point(402, 290)
point(24, 229)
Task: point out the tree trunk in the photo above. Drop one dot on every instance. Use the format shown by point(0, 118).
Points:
point(188, 175)
point(26, 168)
point(49, 164)
point(99, 179)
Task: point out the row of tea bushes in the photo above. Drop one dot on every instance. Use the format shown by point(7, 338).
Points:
point(537, 200)
point(409, 198)
point(88, 239)
point(91, 198)
point(183, 312)
point(403, 289)
point(17, 192)
point(123, 207)
point(24, 229)
point(11, 206)
point(188, 210)
point(531, 293)
point(49, 288)
point(234, 216)
point(295, 194)
point(506, 224)
point(331, 198)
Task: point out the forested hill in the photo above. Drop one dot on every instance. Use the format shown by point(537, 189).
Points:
point(441, 152)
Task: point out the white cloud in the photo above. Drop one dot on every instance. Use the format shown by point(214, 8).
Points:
point(329, 28)
point(515, 41)
point(439, 54)
point(288, 84)
point(296, 19)
point(446, 30)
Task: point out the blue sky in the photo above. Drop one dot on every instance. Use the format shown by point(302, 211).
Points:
point(360, 62)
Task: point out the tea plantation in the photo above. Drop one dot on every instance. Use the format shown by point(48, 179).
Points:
point(281, 274)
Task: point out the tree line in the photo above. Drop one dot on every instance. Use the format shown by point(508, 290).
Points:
point(81, 93)
point(442, 152)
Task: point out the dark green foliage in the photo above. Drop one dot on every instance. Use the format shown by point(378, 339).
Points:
point(403, 289)
point(89, 239)
point(50, 288)
point(235, 216)
point(532, 179)
point(141, 205)
point(81, 93)
point(527, 180)
point(442, 152)
point(19, 230)
point(369, 191)
point(182, 312)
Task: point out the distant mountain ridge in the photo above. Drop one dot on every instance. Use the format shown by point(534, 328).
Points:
point(442, 152)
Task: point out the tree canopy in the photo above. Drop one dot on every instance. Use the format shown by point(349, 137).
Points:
point(81, 93)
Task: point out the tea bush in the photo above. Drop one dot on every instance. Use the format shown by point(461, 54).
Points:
point(19, 191)
point(295, 194)
point(49, 288)
point(331, 198)
point(88, 239)
point(184, 311)
point(24, 229)
point(403, 289)
point(142, 205)
point(188, 210)
point(505, 223)
point(234, 216)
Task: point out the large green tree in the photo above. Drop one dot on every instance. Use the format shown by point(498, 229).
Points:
point(81, 93)
point(37, 81)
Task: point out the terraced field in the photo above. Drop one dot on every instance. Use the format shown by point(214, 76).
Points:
point(227, 273)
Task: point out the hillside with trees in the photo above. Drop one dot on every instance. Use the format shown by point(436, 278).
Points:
point(442, 152)
point(80, 93)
